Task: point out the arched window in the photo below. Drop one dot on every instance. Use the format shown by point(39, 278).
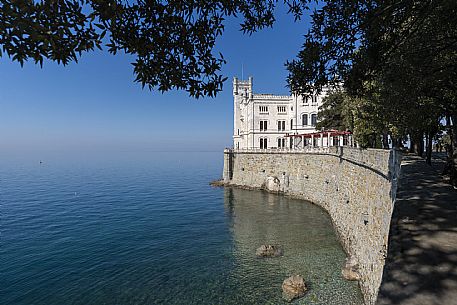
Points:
point(313, 119)
point(304, 119)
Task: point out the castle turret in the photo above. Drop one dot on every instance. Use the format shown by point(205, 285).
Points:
point(242, 87)
point(242, 94)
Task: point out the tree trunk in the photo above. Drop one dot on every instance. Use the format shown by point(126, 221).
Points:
point(412, 144)
point(419, 142)
point(453, 135)
point(428, 159)
point(451, 149)
point(426, 144)
point(385, 140)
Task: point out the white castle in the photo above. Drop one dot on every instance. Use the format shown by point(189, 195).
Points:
point(267, 121)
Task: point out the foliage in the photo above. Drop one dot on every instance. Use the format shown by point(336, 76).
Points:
point(356, 40)
point(359, 115)
point(334, 112)
point(172, 41)
point(397, 56)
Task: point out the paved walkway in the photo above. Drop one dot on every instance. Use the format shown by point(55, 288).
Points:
point(421, 267)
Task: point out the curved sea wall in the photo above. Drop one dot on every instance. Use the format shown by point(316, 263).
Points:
point(356, 187)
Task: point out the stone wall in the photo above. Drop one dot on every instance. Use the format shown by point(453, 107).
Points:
point(356, 187)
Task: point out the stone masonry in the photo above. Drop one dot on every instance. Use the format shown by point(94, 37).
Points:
point(356, 187)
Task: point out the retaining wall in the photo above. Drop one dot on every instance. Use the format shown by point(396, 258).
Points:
point(356, 187)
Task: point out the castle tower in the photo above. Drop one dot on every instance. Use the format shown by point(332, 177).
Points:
point(242, 95)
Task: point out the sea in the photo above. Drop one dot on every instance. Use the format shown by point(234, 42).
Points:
point(149, 229)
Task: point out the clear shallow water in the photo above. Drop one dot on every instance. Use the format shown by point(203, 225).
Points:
point(150, 230)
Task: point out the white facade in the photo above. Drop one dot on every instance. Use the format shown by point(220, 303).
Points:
point(266, 121)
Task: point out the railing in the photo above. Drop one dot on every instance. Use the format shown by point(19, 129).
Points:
point(271, 96)
point(307, 149)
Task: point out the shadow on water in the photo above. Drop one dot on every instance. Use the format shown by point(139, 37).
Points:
point(421, 266)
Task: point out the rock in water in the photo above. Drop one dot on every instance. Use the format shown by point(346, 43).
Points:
point(351, 269)
point(293, 288)
point(268, 251)
point(217, 183)
point(272, 184)
point(350, 274)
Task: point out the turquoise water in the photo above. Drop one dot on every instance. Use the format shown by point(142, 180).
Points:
point(150, 230)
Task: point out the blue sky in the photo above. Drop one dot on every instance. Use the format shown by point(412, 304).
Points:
point(95, 105)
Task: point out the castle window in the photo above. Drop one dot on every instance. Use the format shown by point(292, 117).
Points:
point(263, 109)
point(313, 119)
point(281, 143)
point(263, 143)
point(281, 125)
point(314, 100)
point(291, 124)
point(263, 125)
point(282, 109)
point(304, 119)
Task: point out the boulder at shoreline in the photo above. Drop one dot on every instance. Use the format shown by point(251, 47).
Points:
point(351, 269)
point(272, 184)
point(217, 183)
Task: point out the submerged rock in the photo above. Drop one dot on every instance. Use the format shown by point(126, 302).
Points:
point(351, 269)
point(293, 288)
point(268, 251)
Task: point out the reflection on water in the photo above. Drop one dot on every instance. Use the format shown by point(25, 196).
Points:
point(310, 249)
point(152, 231)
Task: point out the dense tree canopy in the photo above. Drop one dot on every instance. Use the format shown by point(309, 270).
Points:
point(397, 58)
point(355, 40)
point(172, 41)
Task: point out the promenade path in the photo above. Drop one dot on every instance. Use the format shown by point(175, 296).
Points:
point(421, 266)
